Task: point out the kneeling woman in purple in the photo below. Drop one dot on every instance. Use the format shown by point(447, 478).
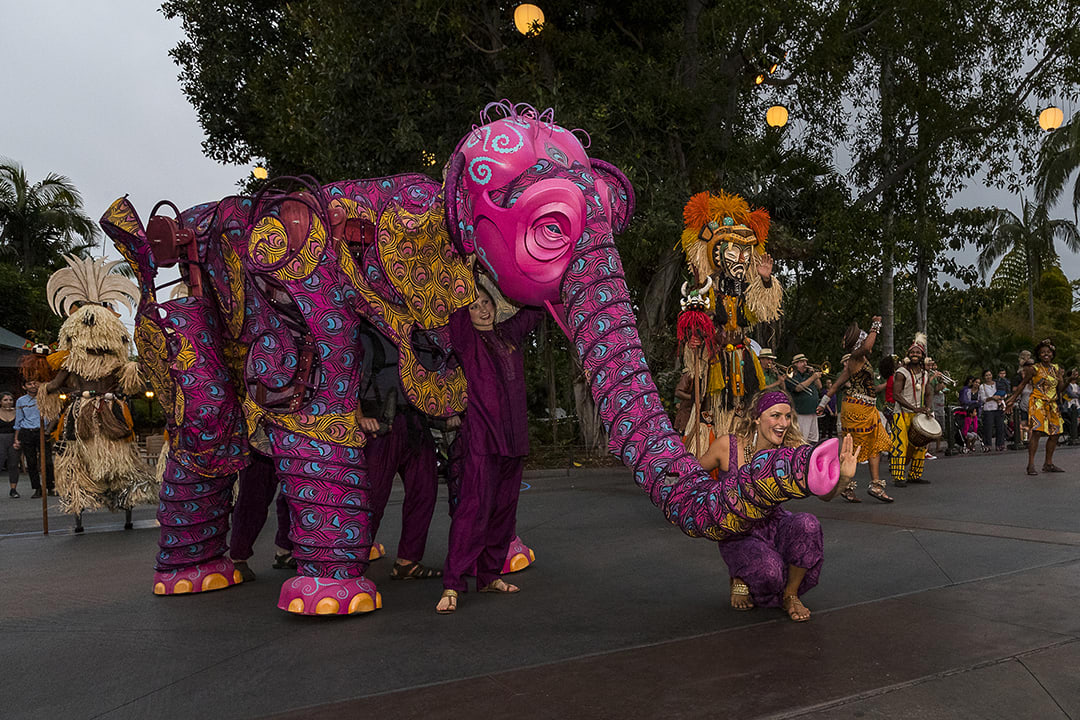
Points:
point(495, 434)
point(779, 558)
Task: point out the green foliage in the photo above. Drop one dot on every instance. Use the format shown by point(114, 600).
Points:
point(919, 95)
point(39, 223)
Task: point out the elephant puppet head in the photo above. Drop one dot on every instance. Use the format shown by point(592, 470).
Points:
point(540, 215)
point(522, 193)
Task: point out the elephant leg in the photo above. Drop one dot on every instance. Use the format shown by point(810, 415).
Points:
point(193, 512)
point(332, 515)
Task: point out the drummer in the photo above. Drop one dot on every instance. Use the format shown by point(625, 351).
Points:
point(911, 392)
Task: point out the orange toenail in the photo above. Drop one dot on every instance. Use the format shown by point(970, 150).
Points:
point(327, 606)
point(362, 603)
point(519, 562)
point(159, 588)
point(237, 578)
point(296, 606)
point(214, 581)
point(182, 587)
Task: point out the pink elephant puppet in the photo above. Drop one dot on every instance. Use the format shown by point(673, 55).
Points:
point(294, 273)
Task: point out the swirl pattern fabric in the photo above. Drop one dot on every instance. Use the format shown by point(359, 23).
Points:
point(181, 340)
point(604, 332)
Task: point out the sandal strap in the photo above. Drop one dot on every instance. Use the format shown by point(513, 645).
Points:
point(448, 592)
point(740, 588)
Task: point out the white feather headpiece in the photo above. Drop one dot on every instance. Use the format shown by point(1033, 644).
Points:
point(87, 280)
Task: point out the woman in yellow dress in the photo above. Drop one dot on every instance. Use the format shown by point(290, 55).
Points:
point(1044, 417)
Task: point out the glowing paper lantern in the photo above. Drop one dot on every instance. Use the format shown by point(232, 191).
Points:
point(260, 173)
point(777, 116)
point(1050, 118)
point(528, 19)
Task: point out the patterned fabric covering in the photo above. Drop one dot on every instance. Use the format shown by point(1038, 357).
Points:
point(1043, 413)
point(180, 343)
point(864, 425)
point(901, 450)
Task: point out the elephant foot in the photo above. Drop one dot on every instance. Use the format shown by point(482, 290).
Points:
point(215, 574)
point(824, 470)
point(378, 550)
point(518, 557)
point(305, 595)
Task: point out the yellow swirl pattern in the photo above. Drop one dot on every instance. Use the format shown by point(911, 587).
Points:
point(336, 428)
point(150, 341)
point(233, 307)
point(407, 242)
point(269, 245)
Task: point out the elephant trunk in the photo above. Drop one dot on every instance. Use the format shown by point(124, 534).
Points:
point(603, 330)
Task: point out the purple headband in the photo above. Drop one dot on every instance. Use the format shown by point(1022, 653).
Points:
point(772, 398)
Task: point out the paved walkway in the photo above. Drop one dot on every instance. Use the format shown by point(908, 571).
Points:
point(957, 601)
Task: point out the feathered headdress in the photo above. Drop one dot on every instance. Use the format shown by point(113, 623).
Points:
point(710, 219)
point(920, 342)
point(726, 214)
point(87, 280)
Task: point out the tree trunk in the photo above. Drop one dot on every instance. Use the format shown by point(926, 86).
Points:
point(592, 427)
point(888, 202)
point(546, 337)
point(654, 302)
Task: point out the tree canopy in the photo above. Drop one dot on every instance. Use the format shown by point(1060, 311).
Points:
point(895, 106)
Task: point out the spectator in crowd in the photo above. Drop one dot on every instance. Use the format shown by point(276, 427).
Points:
point(992, 419)
point(8, 453)
point(969, 402)
point(1071, 409)
point(1025, 361)
point(28, 439)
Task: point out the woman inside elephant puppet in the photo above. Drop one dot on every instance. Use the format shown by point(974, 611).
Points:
point(494, 432)
point(779, 558)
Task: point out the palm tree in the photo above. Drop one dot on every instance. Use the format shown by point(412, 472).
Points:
point(1027, 242)
point(41, 222)
point(1059, 157)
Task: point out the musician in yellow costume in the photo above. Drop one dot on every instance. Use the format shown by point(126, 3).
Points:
point(912, 397)
point(724, 242)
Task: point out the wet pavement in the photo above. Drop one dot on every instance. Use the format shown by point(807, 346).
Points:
point(956, 601)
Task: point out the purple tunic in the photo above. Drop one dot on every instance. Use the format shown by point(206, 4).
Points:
point(494, 433)
point(495, 421)
point(760, 557)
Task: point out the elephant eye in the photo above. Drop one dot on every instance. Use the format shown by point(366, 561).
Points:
point(554, 228)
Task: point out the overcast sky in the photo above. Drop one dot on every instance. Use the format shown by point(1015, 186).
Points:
point(89, 91)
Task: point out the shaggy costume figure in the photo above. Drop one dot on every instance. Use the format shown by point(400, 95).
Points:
point(97, 464)
point(724, 241)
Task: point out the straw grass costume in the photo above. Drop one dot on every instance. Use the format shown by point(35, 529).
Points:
point(97, 462)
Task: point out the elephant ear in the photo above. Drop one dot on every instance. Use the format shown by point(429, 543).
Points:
point(621, 193)
point(459, 216)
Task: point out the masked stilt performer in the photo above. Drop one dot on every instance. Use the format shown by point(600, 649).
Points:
point(97, 463)
point(724, 241)
point(778, 559)
point(911, 395)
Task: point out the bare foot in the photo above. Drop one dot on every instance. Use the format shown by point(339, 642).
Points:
point(740, 595)
point(795, 609)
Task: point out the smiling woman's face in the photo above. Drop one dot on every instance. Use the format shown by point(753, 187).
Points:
point(774, 423)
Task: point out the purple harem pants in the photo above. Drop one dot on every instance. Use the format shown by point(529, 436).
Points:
point(258, 486)
point(408, 450)
point(760, 558)
point(483, 524)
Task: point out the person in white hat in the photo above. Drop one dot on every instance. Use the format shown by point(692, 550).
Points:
point(804, 384)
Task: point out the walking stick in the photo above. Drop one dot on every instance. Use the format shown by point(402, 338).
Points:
point(44, 485)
